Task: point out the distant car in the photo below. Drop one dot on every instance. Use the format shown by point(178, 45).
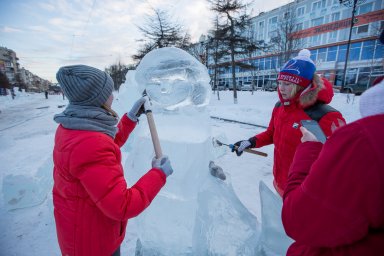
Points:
point(247, 86)
point(356, 89)
point(222, 86)
point(270, 86)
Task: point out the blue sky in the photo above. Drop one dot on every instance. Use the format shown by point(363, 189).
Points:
point(48, 34)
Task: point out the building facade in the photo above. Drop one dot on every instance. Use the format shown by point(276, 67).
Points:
point(9, 64)
point(323, 27)
point(19, 77)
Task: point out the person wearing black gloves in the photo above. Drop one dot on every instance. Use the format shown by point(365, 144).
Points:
point(303, 96)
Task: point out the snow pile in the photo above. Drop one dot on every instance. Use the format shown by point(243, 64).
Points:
point(21, 191)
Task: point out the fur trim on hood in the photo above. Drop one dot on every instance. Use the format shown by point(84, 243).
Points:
point(309, 95)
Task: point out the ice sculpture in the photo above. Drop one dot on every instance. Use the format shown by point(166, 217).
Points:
point(273, 241)
point(173, 78)
point(195, 213)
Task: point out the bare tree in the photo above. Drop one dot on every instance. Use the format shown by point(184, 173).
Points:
point(283, 42)
point(118, 72)
point(158, 32)
point(233, 21)
point(218, 51)
point(250, 51)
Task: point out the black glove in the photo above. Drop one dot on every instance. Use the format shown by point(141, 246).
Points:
point(239, 146)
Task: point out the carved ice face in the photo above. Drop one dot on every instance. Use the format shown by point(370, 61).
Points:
point(173, 78)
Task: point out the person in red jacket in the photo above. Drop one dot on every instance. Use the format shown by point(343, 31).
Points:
point(303, 96)
point(92, 201)
point(334, 200)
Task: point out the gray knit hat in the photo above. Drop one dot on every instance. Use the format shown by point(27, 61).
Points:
point(84, 85)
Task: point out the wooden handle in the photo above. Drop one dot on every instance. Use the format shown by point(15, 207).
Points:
point(255, 152)
point(154, 136)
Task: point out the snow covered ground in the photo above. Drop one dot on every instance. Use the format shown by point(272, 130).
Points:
point(26, 141)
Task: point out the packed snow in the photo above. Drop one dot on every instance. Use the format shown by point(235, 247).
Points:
point(26, 142)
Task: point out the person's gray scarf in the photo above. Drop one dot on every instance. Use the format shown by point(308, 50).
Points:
point(88, 118)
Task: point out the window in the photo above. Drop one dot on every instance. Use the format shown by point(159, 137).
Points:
point(333, 35)
point(260, 30)
point(354, 51)
point(339, 77)
point(300, 11)
point(315, 40)
point(332, 51)
point(299, 26)
point(318, 5)
point(274, 63)
point(314, 55)
point(273, 20)
point(364, 8)
point(322, 54)
point(256, 64)
point(342, 53)
point(261, 64)
point(272, 23)
point(335, 16)
point(317, 22)
point(268, 63)
point(351, 76)
point(379, 52)
point(360, 30)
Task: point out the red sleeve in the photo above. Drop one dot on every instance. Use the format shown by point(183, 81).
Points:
point(94, 163)
point(266, 137)
point(330, 122)
point(125, 127)
point(326, 202)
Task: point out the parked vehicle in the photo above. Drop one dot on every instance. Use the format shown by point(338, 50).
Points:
point(356, 89)
point(222, 86)
point(247, 86)
point(270, 86)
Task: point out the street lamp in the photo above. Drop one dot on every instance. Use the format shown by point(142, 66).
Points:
point(353, 4)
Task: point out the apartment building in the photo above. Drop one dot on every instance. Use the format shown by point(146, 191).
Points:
point(17, 76)
point(9, 64)
point(26, 77)
point(323, 27)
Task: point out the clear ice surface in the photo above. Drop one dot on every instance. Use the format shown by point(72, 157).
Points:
point(173, 78)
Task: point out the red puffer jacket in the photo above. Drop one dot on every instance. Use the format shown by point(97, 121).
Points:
point(333, 203)
point(283, 130)
point(91, 200)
